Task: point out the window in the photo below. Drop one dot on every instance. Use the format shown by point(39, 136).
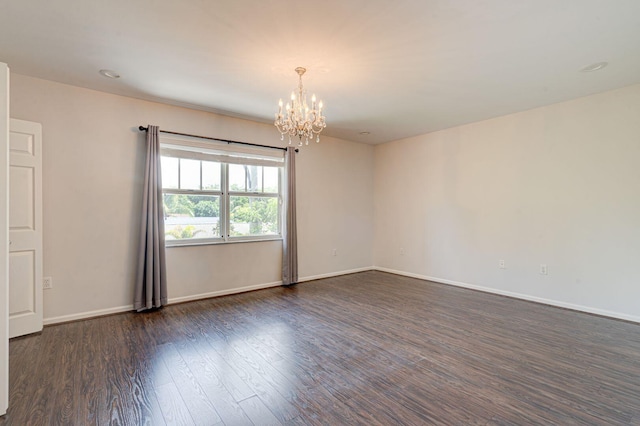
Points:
point(216, 193)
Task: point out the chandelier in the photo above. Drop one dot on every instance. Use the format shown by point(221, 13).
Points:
point(298, 119)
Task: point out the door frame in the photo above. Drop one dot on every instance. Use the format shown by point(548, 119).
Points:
point(4, 238)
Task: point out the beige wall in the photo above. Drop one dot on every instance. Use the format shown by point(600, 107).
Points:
point(558, 185)
point(92, 171)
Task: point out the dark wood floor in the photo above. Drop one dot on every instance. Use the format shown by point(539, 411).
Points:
point(369, 348)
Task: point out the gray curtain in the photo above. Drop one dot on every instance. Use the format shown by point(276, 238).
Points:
point(290, 237)
point(151, 282)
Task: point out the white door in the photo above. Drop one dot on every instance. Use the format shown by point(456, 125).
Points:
point(25, 227)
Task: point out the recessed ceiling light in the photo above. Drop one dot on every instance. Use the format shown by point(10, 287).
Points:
point(594, 67)
point(365, 133)
point(109, 74)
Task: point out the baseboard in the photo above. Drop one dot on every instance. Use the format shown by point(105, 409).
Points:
point(171, 301)
point(219, 293)
point(334, 274)
point(88, 314)
point(182, 299)
point(127, 308)
point(559, 304)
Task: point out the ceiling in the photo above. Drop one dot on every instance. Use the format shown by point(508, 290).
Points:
point(391, 68)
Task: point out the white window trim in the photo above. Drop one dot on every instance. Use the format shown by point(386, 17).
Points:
point(194, 148)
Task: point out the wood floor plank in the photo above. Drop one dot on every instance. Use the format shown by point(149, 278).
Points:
point(259, 382)
point(172, 405)
point(364, 349)
point(258, 412)
point(320, 406)
point(211, 365)
point(196, 400)
point(217, 372)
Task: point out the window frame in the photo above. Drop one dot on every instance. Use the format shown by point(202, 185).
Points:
point(171, 147)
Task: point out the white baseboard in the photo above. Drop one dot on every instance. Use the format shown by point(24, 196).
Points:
point(182, 299)
point(127, 308)
point(556, 303)
point(120, 309)
point(88, 314)
point(227, 292)
point(334, 274)
point(260, 286)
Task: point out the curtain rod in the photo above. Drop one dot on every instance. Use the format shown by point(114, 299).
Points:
point(142, 128)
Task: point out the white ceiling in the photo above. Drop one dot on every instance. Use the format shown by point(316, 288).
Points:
point(392, 68)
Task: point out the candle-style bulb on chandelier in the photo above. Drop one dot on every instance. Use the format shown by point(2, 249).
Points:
point(297, 119)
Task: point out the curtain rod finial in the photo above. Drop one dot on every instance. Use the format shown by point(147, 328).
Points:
point(142, 128)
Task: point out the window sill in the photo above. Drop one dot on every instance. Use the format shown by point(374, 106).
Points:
point(236, 240)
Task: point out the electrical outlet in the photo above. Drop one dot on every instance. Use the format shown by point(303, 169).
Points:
point(47, 282)
point(335, 252)
point(543, 269)
point(501, 264)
